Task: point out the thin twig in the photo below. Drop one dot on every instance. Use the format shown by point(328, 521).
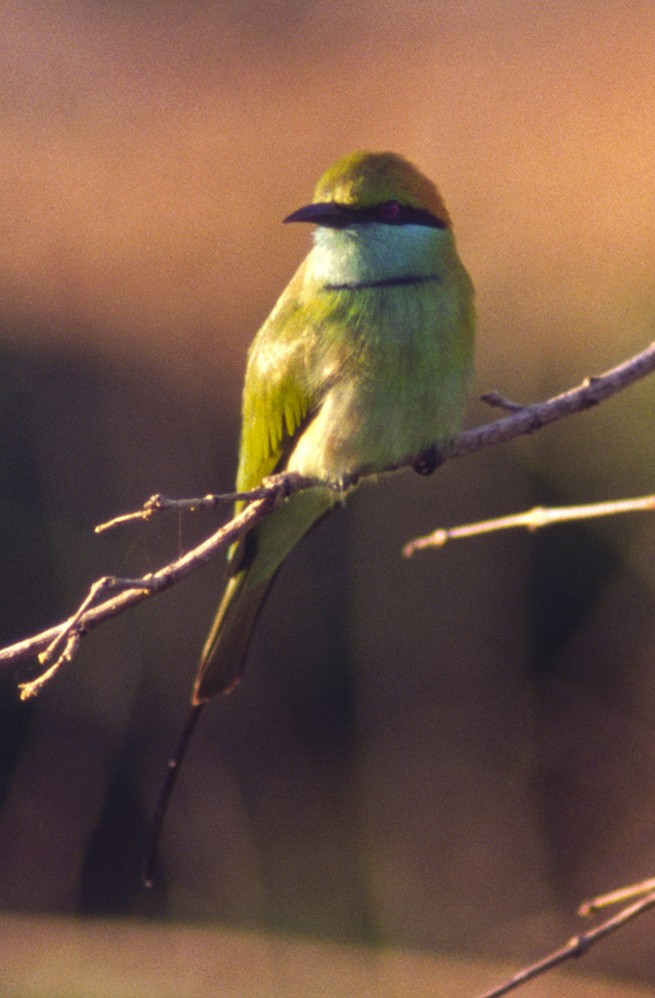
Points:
point(576, 946)
point(500, 402)
point(71, 632)
point(281, 485)
point(532, 417)
point(133, 591)
point(532, 519)
point(595, 904)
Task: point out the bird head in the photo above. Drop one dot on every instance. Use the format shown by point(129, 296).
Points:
point(367, 187)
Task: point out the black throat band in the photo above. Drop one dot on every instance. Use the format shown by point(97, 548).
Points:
point(384, 282)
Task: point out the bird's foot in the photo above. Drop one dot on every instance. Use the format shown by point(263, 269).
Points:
point(345, 483)
point(429, 461)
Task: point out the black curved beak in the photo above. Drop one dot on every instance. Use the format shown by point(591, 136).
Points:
point(327, 213)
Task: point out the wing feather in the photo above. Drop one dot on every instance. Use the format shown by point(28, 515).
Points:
point(277, 396)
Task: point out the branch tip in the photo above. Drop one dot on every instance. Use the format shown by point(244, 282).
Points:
point(498, 401)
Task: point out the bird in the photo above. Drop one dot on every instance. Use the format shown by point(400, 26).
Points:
point(364, 364)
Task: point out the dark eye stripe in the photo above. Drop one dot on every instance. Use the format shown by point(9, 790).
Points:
point(365, 216)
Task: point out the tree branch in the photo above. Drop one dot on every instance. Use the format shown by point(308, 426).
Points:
point(532, 520)
point(529, 418)
point(59, 643)
point(580, 944)
point(94, 610)
point(275, 486)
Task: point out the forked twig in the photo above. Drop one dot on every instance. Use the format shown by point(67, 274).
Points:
point(580, 944)
point(95, 610)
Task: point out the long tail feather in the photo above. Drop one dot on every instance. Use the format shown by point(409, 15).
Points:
point(223, 655)
point(165, 794)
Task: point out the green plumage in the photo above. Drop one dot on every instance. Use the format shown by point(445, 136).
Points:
point(364, 362)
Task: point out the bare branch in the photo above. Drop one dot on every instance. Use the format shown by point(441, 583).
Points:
point(94, 610)
point(281, 485)
point(595, 904)
point(532, 519)
point(532, 417)
point(64, 638)
point(71, 632)
point(578, 945)
point(500, 402)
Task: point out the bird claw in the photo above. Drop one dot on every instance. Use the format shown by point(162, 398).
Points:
point(345, 483)
point(428, 462)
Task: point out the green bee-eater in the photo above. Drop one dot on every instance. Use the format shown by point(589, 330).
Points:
point(364, 363)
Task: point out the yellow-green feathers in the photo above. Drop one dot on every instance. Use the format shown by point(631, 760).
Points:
point(364, 362)
point(276, 397)
point(363, 179)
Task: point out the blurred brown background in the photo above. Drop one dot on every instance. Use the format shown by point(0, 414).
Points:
point(446, 753)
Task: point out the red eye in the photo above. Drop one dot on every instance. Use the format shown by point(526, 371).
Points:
point(390, 211)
